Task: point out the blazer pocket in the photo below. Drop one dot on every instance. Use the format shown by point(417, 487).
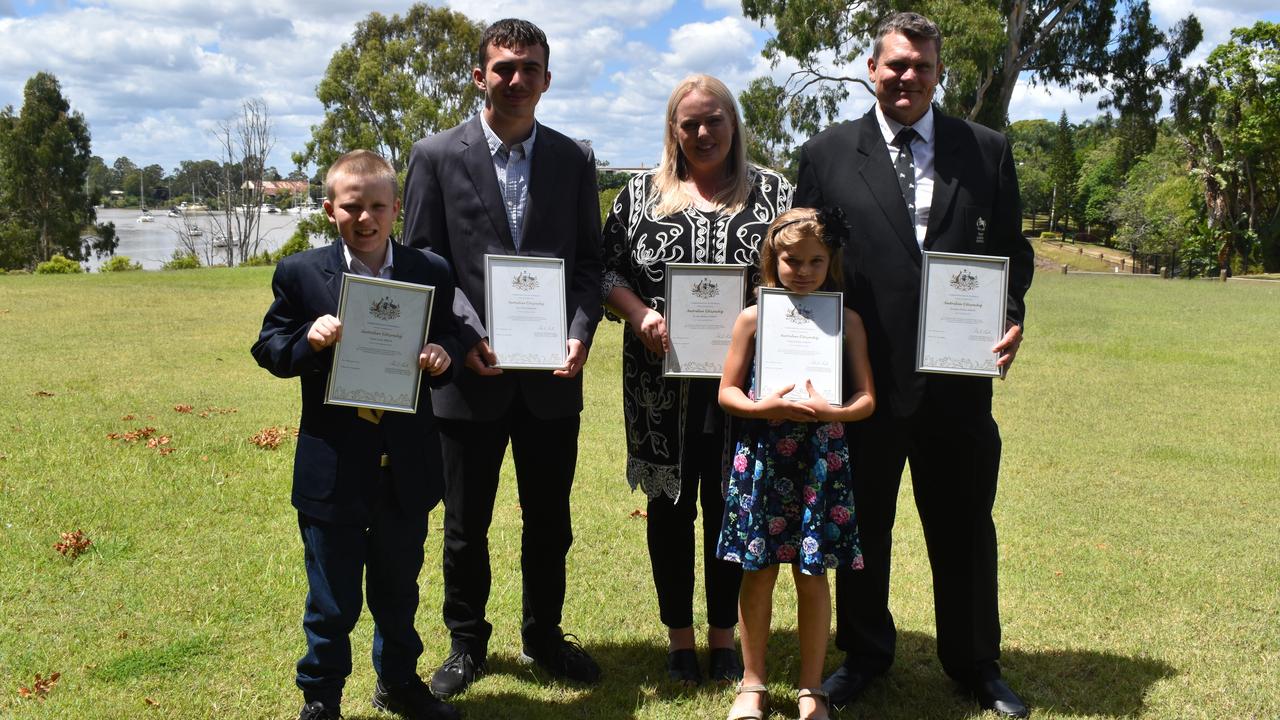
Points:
point(315, 471)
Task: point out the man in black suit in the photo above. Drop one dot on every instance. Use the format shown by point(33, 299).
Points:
point(912, 179)
point(503, 184)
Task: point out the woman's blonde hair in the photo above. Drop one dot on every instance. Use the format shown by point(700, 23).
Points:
point(790, 228)
point(669, 196)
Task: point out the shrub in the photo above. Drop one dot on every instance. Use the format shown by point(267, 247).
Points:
point(119, 263)
point(182, 261)
point(296, 243)
point(58, 265)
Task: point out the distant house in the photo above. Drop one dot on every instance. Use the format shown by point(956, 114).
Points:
point(279, 188)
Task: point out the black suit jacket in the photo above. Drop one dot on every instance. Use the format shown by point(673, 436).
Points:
point(337, 457)
point(452, 204)
point(976, 209)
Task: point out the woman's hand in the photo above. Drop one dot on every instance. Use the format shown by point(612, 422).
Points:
point(649, 325)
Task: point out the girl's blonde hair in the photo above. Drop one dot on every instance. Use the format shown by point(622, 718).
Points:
point(669, 196)
point(790, 228)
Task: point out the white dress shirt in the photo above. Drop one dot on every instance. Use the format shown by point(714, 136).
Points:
point(359, 268)
point(922, 152)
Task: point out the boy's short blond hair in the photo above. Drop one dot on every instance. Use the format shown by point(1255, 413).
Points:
point(364, 164)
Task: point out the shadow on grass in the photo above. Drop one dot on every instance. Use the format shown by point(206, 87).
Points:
point(1063, 682)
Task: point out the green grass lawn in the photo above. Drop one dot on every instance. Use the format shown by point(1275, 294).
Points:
point(1137, 515)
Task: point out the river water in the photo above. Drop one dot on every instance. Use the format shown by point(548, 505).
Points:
point(153, 243)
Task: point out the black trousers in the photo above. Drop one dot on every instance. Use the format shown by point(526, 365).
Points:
point(545, 454)
point(955, 461)
point(670, 523)
point(383, 558)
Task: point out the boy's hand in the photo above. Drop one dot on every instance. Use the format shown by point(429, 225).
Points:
point(325, 331)
point(433, 359)
point(480, 359)
point(777, 407)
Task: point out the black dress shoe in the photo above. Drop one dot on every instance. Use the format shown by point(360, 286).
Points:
point(413, 700)
point(996, 696)
point(725, 665)
point(459, 670)
point(845, 685)
point(563, 657)
point(682, 667)
point(317, 710)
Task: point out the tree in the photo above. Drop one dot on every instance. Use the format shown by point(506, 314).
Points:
point(1032, 141)
point(1097, 186)
point(246, 143)
point(397, 81)
point(989, 45)
point(1228, 112)
point(1063, 169)
point(44, 161)
point(1157, 210)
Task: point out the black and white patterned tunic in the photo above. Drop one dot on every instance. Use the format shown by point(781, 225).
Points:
point(637, 248)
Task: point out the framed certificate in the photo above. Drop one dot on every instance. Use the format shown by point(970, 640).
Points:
point(798, 338)
point(524, 311)
point(384, 326)
point(962, 313)
point(703, 301)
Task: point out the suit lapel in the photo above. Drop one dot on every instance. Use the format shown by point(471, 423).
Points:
point(542, 183)
point(333, 268)
point(479, 164)
point(882, 181)
point(946, 174)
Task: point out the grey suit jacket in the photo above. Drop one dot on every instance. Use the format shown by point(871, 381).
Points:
point(976, 209)
point(452, 205)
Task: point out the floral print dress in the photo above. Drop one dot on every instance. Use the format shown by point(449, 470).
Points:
point(790, 498)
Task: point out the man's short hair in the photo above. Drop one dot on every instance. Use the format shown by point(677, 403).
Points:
point(513, 32)
point(362, 164)
point(912, 25)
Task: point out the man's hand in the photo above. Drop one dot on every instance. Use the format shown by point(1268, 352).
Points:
point(325, 331)
point(480, 359)
point(651, 328)
point(573, 364)
point(1008, 347)
point(434, 359)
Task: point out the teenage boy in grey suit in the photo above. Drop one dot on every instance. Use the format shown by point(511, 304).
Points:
point(500, 183)
point(911, 179)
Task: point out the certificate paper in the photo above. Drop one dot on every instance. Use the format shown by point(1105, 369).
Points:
point(384, 326)
point(962, 313)
point(524, 311)
point(798, 338)
point(703, 301)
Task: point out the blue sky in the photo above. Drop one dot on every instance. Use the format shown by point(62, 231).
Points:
point(153, 78)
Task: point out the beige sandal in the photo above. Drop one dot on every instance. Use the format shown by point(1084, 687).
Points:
point(751, 714)
point(817, 694)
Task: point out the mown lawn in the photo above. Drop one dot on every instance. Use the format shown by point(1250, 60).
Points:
point(1137, 518)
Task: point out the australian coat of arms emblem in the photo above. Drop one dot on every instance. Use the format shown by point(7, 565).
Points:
point(800, 314)
point(964, 280)
point(524, 280)
point(385, 309)
point(705, 289)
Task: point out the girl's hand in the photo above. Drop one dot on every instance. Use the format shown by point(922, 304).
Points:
point(651, 328)
point(818, 403)
point(777, 407)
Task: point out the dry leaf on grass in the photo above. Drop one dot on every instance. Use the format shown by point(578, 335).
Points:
point(182, 408)
point(639, 513)
point(268, 438)
point(73, 544)
point(42, 393)
point(40, 687)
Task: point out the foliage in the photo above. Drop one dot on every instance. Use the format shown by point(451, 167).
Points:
point(297, 242)
point(182, 261)
point(246, 142)
point(1032, 141)
point(1097, 186)
point(44, 159)
point(1063, 168)
point(260, 260)
point(1157, 209)
point(1080, 44)
point(317, 225)
point(58, 265)
point(606, 202)
point(399, 79)
point(1228, 111)
point(120, 263)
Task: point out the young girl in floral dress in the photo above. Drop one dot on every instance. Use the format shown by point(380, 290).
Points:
point(790, 498)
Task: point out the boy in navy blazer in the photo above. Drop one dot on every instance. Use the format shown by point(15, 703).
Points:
point(363, 481)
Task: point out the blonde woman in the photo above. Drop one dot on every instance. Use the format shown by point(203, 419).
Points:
point(703, 204)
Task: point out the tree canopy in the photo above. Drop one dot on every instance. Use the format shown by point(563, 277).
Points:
point(399, 79)
point(1085, 45)
point(44, 161)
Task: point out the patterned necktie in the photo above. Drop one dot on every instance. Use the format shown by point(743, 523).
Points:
point(905, 166)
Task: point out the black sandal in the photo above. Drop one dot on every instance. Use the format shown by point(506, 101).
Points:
point(682, 667)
